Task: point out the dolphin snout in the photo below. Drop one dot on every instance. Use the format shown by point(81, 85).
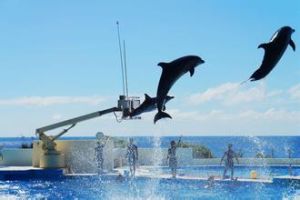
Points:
point(293, 30)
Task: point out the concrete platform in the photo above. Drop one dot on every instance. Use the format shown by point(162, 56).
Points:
point(28, 172)
point(33, 173)
point(145, 173)
point(288, 177)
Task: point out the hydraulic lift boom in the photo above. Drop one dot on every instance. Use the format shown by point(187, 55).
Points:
point(125, 105)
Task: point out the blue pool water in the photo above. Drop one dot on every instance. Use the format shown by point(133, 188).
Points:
point(141, 188)
point(108, 187)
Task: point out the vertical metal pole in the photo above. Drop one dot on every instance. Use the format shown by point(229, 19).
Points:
point(121, 58)
point(125, 68)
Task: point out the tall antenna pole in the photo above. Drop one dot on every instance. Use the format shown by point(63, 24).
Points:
point(121, 58)
point(125, 68)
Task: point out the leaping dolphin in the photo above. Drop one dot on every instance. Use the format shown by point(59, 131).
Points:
point(148, 105)
point(171, 72)
point(274, 51)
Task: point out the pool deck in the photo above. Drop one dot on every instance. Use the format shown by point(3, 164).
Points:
point(18, 168)
point(145, 173)
point(288, 177)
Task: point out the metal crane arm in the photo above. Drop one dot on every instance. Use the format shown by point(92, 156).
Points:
point(77, 119)
point(125, 105)
point(48, 141)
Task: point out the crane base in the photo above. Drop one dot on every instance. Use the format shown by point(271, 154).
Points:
point(52, 159)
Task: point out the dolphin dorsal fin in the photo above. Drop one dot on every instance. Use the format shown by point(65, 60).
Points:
point(147, 97)
point(192, 71)
point(163, 65)
point(263, 45)
point(292, 44)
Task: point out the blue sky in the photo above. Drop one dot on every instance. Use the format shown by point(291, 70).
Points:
point(59, 59)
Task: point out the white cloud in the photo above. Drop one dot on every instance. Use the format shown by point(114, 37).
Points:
point(263, 112)
point(51, 100)
point(270, 114)
point(294, 92)
point(196, 115)
point(216, 122)
point(249, 95)
point(233, 93)
point(57, 117)
point(216, 93)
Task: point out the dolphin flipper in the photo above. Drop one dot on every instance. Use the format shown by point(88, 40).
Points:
point(192, 71)
point(292, 44)
point(170, 97)
point(161, 115)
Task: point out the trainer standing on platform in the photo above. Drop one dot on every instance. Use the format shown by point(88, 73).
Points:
point(101, 142)
point(172, 158)
point(228, 156)
point(132, 156)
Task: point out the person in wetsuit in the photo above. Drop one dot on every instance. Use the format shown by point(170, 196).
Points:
point(228, 157)
point(132, 156)
point(172, 158)
point(99, 151)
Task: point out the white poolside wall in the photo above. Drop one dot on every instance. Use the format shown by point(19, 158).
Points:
point(80, 154)
point(16, 157)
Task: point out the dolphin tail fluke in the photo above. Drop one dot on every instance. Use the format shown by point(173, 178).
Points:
point(161, 115)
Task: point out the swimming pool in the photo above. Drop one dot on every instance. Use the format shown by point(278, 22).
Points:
point(48, 185)
point(140, 188)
